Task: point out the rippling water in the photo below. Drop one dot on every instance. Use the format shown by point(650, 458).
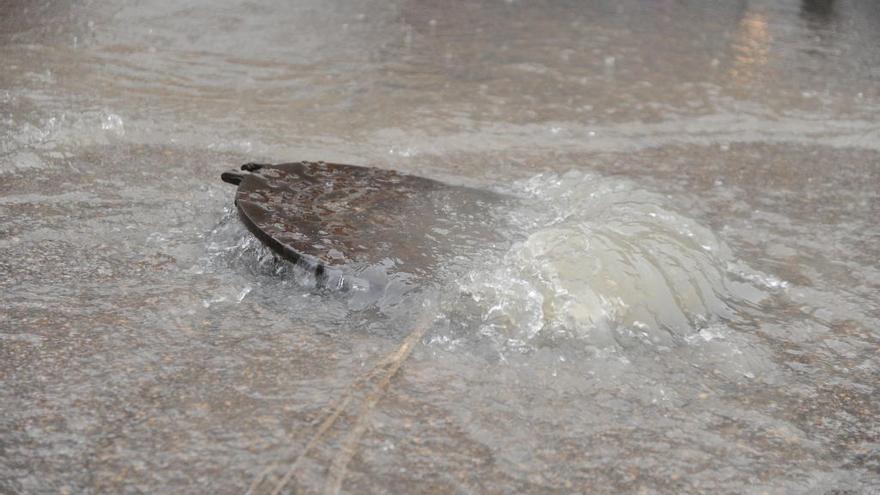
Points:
point(686, 299)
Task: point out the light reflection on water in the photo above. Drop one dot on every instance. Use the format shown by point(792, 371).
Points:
point(752, 47)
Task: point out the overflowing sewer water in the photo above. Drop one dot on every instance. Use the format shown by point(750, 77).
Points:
point(602, 261)
point(684, 295)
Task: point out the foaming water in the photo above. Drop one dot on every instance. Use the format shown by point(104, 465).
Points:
point(606, 262)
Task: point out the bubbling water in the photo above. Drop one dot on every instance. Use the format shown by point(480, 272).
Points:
point(596, 259)
point(602, 261)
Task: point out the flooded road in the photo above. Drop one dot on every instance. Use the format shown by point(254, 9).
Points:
point(689, 301)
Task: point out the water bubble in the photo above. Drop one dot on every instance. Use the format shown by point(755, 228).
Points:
point(113, 123)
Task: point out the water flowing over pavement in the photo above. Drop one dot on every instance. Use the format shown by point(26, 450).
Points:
point(689, 300)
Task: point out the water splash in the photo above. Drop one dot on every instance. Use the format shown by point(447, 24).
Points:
point(360, 287)
point(603, 261)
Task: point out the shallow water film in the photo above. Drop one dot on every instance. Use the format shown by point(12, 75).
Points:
point(683, 296)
